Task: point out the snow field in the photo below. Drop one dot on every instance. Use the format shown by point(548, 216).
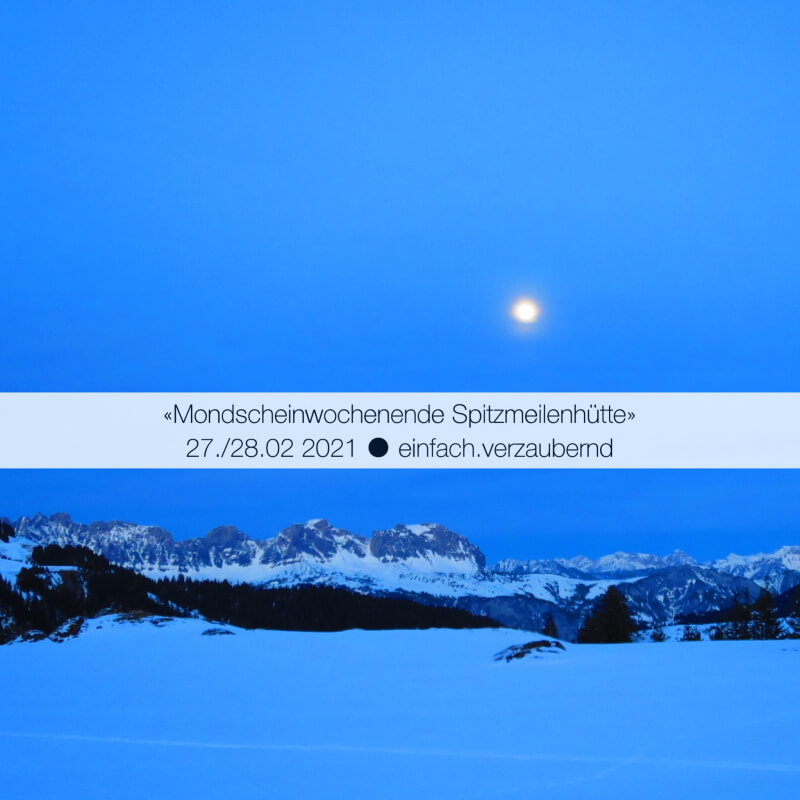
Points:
point(132, 710)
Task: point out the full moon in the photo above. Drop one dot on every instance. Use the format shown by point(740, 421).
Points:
point(525, 310)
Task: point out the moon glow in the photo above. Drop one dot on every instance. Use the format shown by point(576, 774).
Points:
point(525, 310)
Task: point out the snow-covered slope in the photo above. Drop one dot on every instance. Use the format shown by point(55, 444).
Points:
point(133, 711)
point(512, 566)
point(429, 563)
point(620, 563)
point(14, 555)
point(776, 571)
point(668, 594)
point(428, 559)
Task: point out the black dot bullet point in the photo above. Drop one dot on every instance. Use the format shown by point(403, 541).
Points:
point(378, 447)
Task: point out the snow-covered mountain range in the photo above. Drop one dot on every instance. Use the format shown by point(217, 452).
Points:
point(427, 562)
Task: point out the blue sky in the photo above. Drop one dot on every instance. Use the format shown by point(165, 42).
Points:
point(315, 196)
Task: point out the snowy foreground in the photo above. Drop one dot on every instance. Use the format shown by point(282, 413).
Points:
point(135, 711)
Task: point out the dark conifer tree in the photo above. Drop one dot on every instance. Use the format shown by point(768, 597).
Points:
point(794, 614)
point(6, 531)
point(550, 628)
point(738, 624)
point(764, 622)
point(690, 634)
point(717, 633)
point(611, 621)
point(658, 634)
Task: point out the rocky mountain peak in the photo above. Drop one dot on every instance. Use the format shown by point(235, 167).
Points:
point(678, 557)
point(225, 536)
point(425, 541)
point(316, 539)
